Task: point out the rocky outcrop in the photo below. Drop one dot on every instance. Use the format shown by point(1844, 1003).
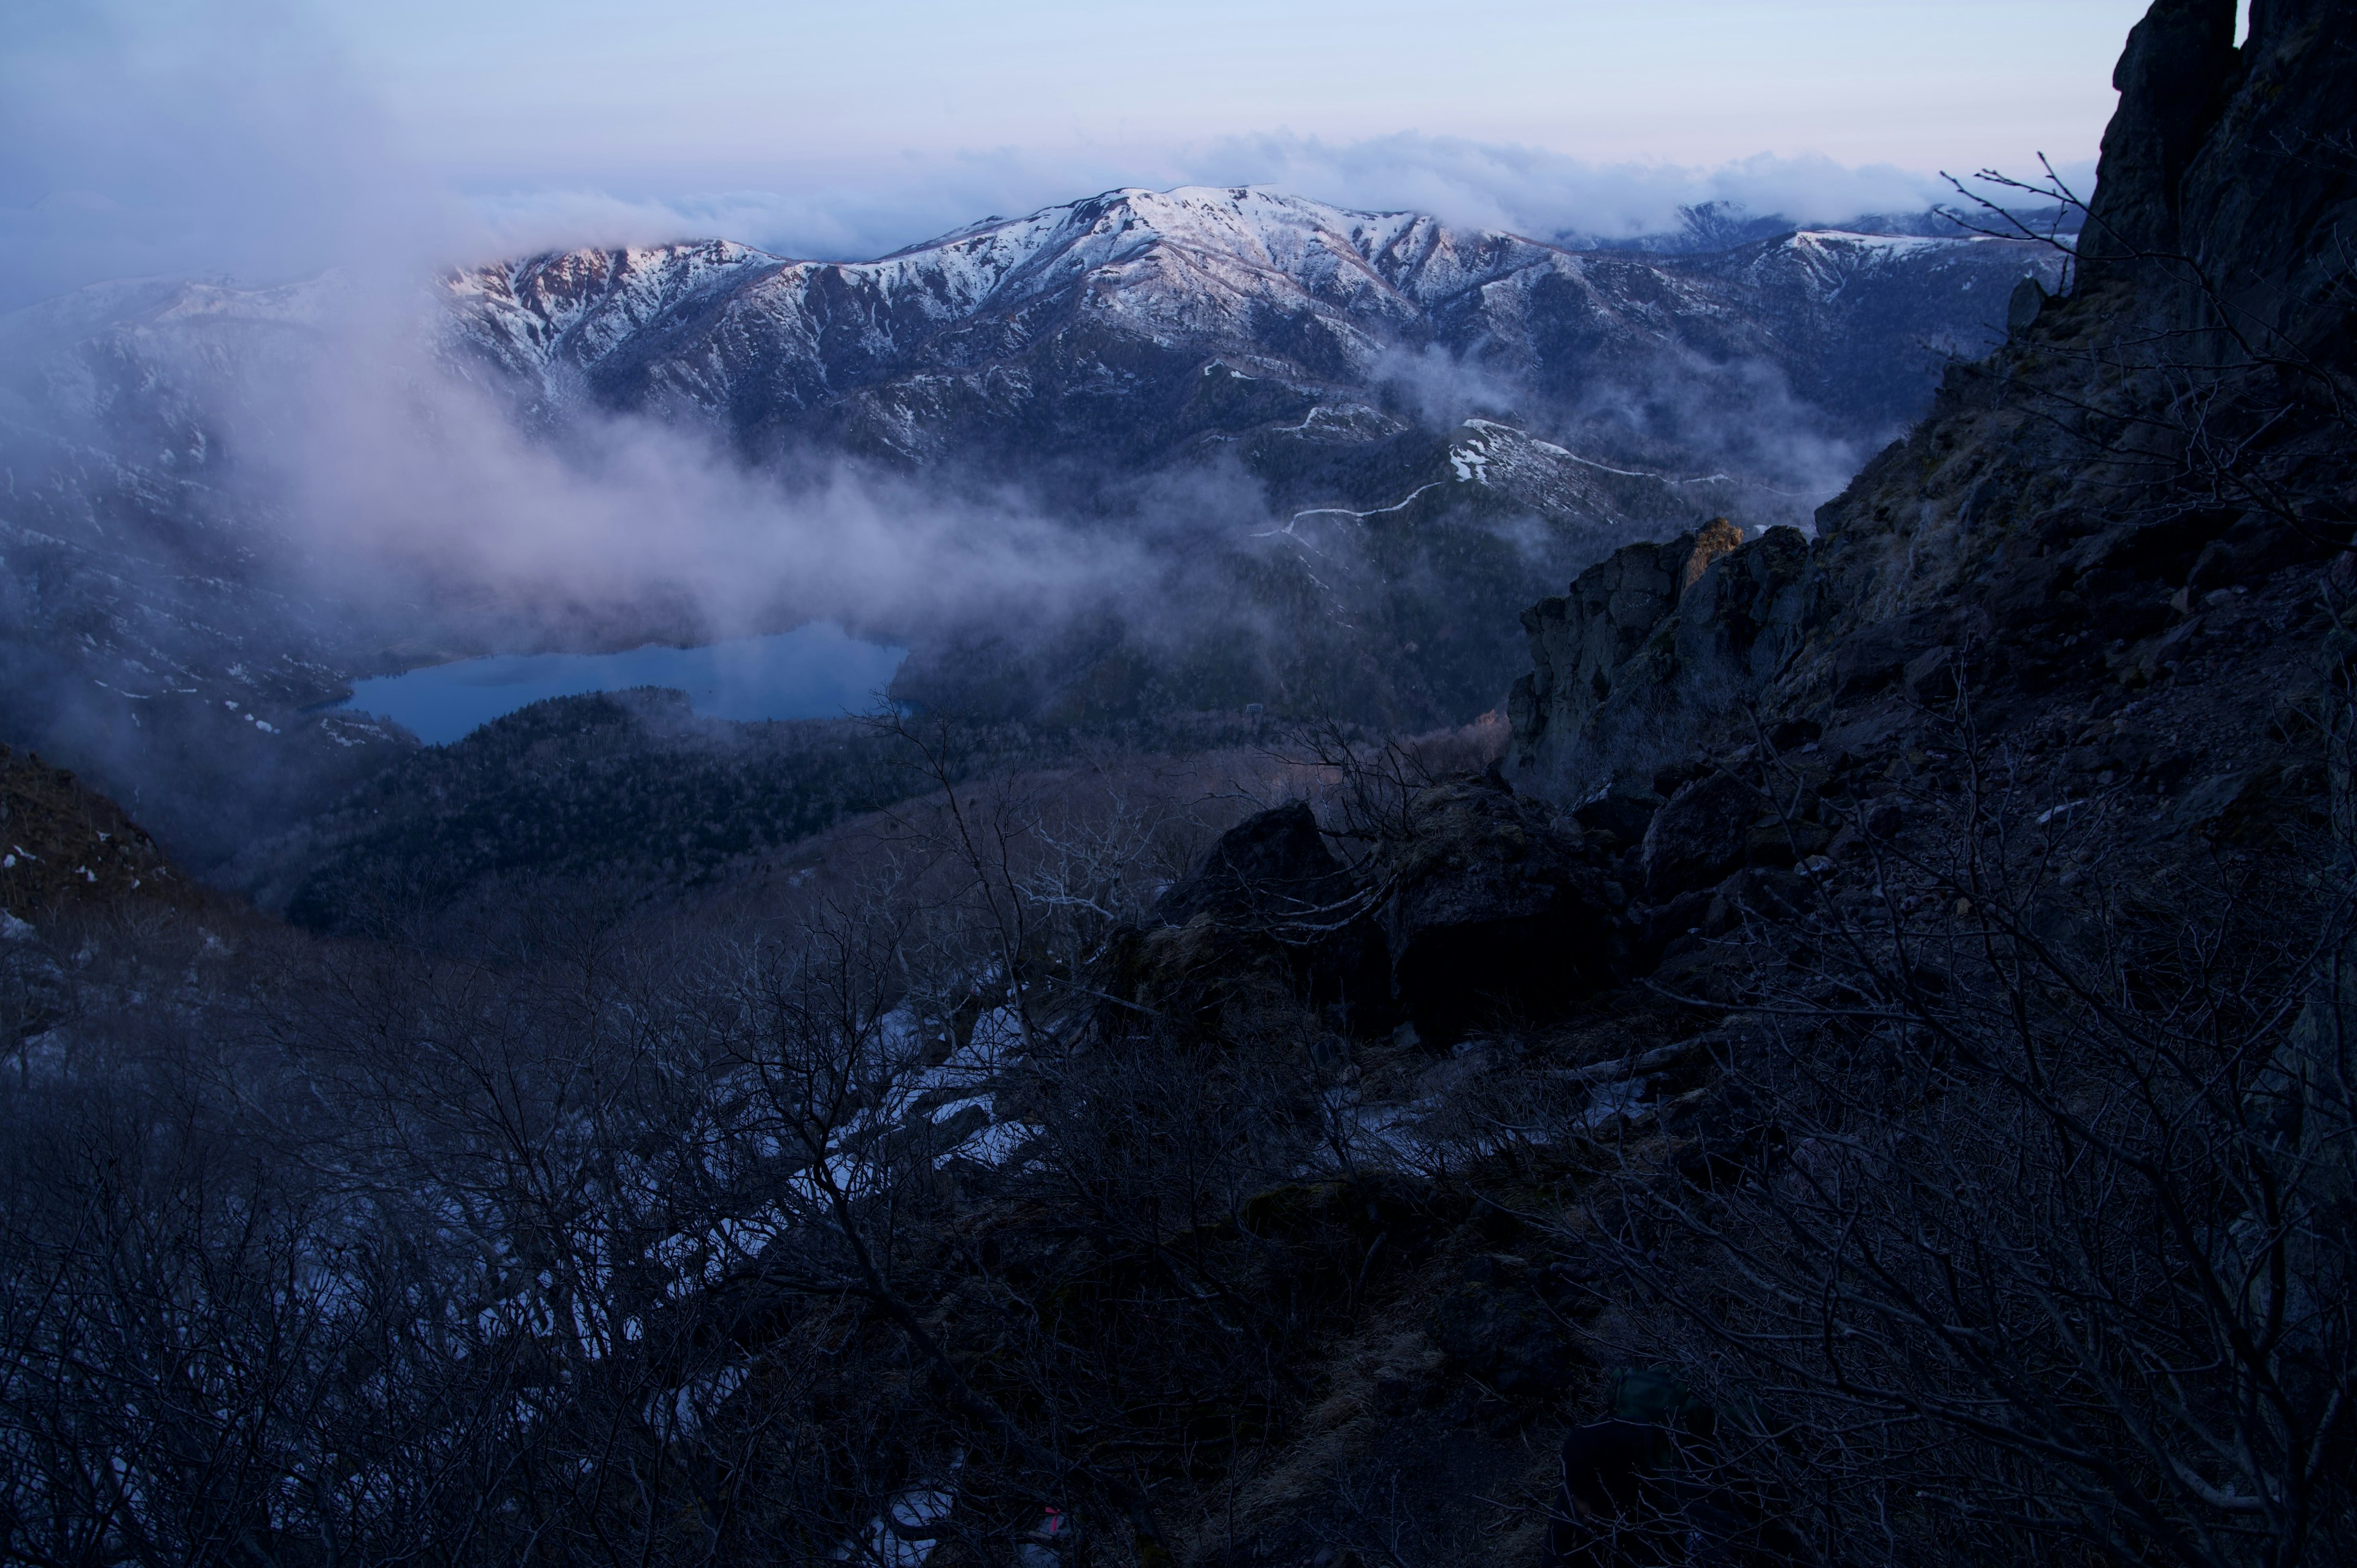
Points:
point(1491, 905)
point(2177, 426)
point(2172, 82)
point(1650, 645)
point(1274, 868)
point(1497, 907)
point(62, 845)
point(1699, 836)
point(2192, 390)
point(1267, 913)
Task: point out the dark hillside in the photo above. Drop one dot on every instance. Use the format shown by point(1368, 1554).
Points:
point(1865, 1078)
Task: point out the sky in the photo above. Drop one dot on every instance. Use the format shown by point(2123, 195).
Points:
point(262, 139)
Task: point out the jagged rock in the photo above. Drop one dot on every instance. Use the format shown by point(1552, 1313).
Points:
point(1877, 654)
point(1271, 867)
point(2171, 80)
point(1268, 911)
point(2024, 595)
point(2253, 549)
point(1651, 644)
point(1496, 906)
point(1492, 905)
point(1699, 836)
point(1931, 676)
point(1580, 642)
point(1619, 809)
point(2035, 465)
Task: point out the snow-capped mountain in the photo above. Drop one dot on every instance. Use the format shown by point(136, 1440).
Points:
point(1405, 431)
point(1090, 330)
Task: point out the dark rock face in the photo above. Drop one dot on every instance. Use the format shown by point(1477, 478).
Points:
point(1268, 910)
point(1581, 641)
point(1492, 905)
point(1649, 645)
point(1269, 868)
point(1620, 810)
point(1877, 655)
point(1699, 836)
point(1497, 904)
point(2171, 80)
point(2042, 528)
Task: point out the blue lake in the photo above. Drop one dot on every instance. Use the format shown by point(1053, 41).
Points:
point(813, 672)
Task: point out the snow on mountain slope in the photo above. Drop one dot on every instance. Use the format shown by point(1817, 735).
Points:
point(1265, 398)
point(119, 363)
point(1032, 328)
point(1191, 261)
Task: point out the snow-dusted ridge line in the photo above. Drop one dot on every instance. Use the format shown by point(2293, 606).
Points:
point(1200, 263)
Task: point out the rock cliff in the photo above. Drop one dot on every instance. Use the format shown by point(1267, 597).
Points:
point(2181, 423)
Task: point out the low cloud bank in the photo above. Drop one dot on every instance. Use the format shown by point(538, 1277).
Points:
point(417, 475)
point(234, 138)
point(230, 137)
point(861, 212)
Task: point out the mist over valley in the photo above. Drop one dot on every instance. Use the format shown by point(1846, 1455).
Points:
point(1582, 794)
point(1143, 454)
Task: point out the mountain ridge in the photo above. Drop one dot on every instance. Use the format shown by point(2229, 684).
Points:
point(765, 343)
point(1261, 396)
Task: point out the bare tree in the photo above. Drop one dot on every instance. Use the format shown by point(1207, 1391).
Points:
point(2016, 1225)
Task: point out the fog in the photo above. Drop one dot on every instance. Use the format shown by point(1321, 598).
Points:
point(620, 525)
point(311, 479)
point(244, 138)
point(865, 212)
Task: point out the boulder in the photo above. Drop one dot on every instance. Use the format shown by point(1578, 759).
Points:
point(1619, 809)
point(2025, 595)
point(1931, 676)
point(1267, 912)
point(1682, 916)
point(1671, 777)
point(1764, 893)
point(2156, 547)
point(2022, 310)
point(1271, 868)
point(1877, 654)
point(2249, 552)
point(1699, 836)
point(1496, 905)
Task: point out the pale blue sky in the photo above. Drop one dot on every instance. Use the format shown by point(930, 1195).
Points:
point(602, 84)
point(264, 137)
